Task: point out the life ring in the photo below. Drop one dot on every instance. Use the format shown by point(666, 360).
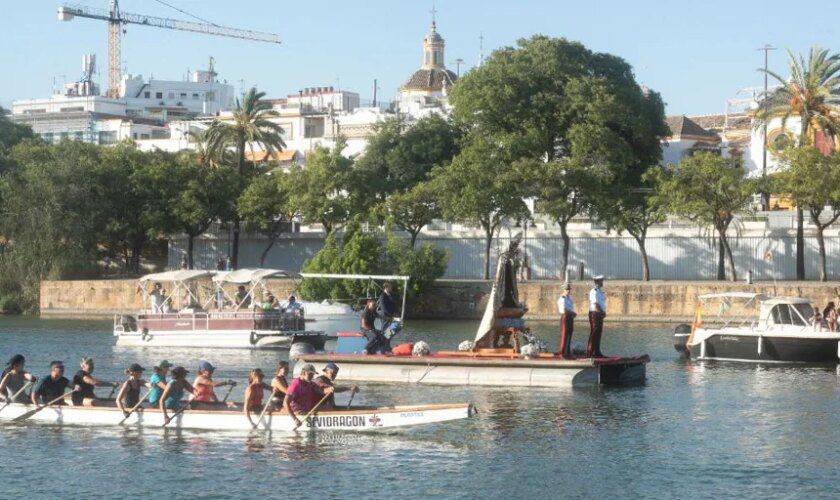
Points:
point(144, 335)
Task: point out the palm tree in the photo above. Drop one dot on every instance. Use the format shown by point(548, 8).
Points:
point(249, 126)
point(812, 95)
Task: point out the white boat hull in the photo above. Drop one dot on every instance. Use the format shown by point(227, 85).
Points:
point(241, 339)
point(482, 372)
point(362, 419)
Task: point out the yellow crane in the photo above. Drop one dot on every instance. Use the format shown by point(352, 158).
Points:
point(116, 19)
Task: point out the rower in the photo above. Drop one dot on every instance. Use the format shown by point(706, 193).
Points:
point(129, 395)
point(566, 308)
point(303, 393)
point(174, 392)
point(254, 394)
point(279, 385)
point(14, 379)
point(204, 384)
point(52, 386)
point(158, 381)
point(328, 380)
point(597, 313)
point(84, 383)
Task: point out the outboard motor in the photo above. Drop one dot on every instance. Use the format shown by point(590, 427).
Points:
point(300, 349)
point(681, 334)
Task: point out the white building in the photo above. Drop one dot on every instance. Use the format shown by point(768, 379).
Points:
point(141, 113)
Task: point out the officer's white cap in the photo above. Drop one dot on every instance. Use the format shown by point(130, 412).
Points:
point(598, 278)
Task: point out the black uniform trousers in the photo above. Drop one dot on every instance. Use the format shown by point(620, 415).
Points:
point(596, 328)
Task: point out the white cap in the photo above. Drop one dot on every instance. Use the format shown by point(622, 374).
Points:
point(598, 277)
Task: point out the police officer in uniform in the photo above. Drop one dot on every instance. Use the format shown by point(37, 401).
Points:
point(597, 312)
point(566, 308)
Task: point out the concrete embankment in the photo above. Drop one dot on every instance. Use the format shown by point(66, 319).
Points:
point(654, 301)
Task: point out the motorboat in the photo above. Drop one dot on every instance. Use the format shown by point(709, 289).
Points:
point(229, 417)
point(502, 353)
point(198, 311)
point(752, 327)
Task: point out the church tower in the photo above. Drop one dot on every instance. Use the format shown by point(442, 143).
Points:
point(433, 46)
point(429, 84)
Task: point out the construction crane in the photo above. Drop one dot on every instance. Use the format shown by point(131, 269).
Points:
point(116, 19)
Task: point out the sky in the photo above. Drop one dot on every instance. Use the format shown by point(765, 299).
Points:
point(696, 54)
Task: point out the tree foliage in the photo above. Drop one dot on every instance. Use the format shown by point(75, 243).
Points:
point(265, 207)
point(414, 209)
point(709, 190)
point(812, 181)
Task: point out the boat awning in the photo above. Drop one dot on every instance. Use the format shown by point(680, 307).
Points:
point(242, 276)
point(176, 276)
point(785, 300)
point(356, 276)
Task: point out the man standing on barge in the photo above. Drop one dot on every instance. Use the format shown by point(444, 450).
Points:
point(566, 308)
point(597, 312)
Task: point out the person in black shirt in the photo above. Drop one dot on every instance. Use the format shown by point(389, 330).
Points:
point(373, 336)
point(51, 386)
point(84, 382)
point(328, 380)
point(386, 309)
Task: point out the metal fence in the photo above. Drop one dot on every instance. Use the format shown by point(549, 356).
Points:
point(670, 258)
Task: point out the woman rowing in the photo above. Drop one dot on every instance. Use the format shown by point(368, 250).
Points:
point(158, 381)
point(15, 378)
point(174, 392)
point(279, 385)
point(254, 395)
point(204, 384)
point(84, 384)
point(129, 395)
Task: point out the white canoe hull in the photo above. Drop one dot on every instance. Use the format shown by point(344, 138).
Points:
point(232, 339)
point(363, 419)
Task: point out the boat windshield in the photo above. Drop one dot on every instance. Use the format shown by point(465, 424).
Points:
point(792, 314)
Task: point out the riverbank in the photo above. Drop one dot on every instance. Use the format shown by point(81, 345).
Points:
point(630, 301)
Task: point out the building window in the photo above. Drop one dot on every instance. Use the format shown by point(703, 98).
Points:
point(183, 95)
point(147, 95)
point(195, 96)
point(158, 95)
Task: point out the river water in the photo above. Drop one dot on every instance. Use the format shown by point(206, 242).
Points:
point(694, 430)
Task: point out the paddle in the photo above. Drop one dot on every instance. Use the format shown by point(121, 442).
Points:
point(352, 395)
point(180, 410)
point(305, 418)
point(113, 390)
point(232, 384)
point(28, 414)
point(262, 413)
point(136, 406)
point(9, 401)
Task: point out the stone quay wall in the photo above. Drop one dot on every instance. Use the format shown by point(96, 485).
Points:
point(653, 301)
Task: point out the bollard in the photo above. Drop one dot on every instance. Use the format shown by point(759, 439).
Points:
point(580, 271)
point(749, 277)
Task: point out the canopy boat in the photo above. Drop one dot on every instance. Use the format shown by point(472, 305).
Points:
point(231, 418)
point(180, 318)
point(498, 355)
point(757, 328)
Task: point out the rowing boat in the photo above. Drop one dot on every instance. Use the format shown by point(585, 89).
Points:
point(231, 418)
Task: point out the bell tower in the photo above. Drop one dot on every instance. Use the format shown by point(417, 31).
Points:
point(433, 46)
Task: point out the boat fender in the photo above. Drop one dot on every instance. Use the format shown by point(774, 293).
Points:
point(253, 339)
point(403, 349)
point(529, 351)
point(466, 346)
point(144, 335)
point(421, 349)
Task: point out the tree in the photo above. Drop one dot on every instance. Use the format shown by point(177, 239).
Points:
point(414, 209)
point(811, 179)
point(424, 265)
point(320, 191)
point(400, 155)
point(708, 189)
point(574, 120)
point(812, 95)
point(203, 198)
point(483, 187)
point(249, 126)
point(52, 216)
point(264, 206)
point(637, 209)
